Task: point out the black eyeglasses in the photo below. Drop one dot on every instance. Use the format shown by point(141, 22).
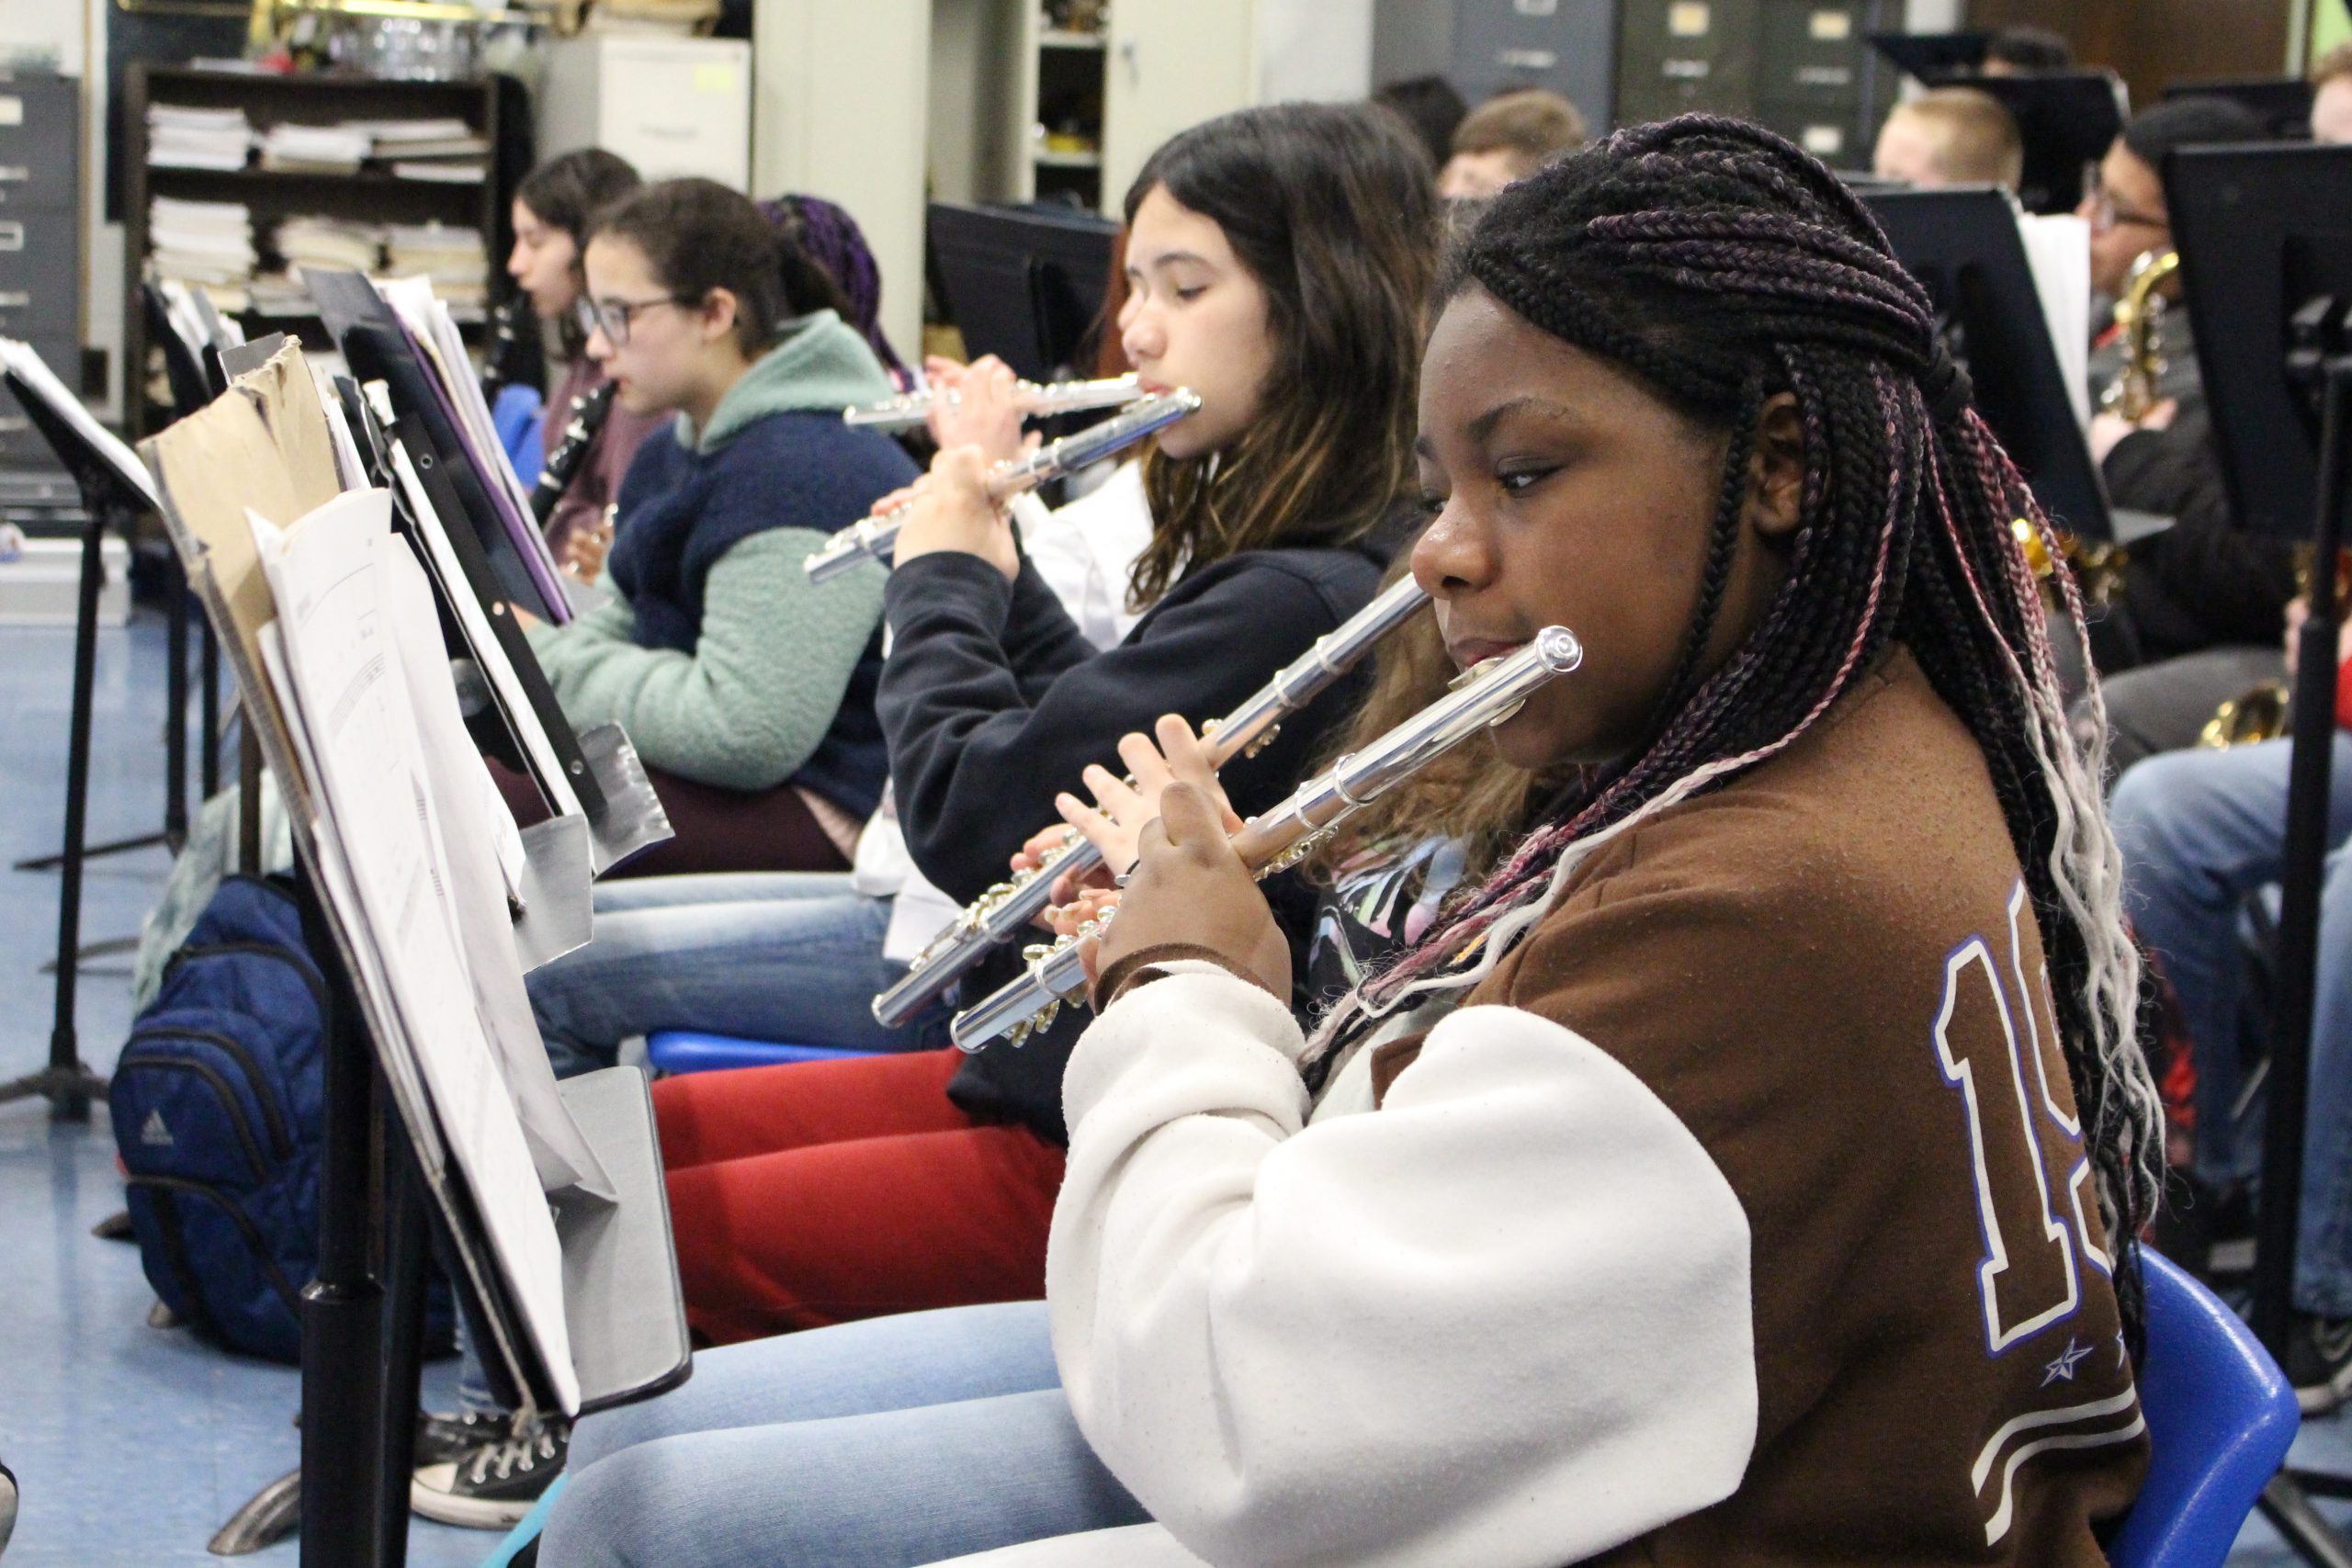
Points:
point(612, 317)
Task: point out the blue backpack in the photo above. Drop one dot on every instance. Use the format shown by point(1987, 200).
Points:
point(219, 1102)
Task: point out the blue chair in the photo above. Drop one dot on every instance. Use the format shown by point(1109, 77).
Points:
point(2220, 1417)
point(689, 1051)
point(516, 416)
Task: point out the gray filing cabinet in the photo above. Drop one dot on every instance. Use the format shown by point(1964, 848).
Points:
point(1567, 46)
point(40, 238)
point(1803, 67)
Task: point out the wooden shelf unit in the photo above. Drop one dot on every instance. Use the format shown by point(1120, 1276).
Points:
point(368, 196)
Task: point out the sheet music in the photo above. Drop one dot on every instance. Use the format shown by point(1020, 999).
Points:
point(27, 367)
point(2058, 250)
point(469, 810)
point(343, 617)
point(350, 467)
point(435, 335)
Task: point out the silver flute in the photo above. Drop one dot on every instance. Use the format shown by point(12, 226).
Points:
point(871, 538)
point(1004, 911)
point(1480, 699)
point(1036, 401)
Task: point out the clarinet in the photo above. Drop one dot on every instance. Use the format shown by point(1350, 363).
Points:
point(1480, 699)
point(589, 411)
point(506, 345)
point(1036, 401)
point(871, 538)
point(1002, 912)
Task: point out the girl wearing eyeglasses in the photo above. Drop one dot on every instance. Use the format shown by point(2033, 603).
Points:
point(750, 692)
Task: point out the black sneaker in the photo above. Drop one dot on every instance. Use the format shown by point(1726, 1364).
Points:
point(2319, 1361)
point(493, 1486)
point(441, 1437)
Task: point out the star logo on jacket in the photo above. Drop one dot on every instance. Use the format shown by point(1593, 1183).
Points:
point(2062, 1368)
point(155, 1134)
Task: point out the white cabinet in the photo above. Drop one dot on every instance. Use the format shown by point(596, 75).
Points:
point(1170, 66)
point(670, 105)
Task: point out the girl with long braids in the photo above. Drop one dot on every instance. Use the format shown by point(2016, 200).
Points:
point(1748, 1170)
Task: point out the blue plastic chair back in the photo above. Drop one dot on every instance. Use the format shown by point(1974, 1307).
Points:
point(516, 416)
point(689, 1051)
point(2220, 1417)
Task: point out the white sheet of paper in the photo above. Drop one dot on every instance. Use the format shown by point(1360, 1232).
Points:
point(488, 654)
point(484, 930)
point(337, 628)
point(2058, 249)
point(42, 382)
point(350, 467)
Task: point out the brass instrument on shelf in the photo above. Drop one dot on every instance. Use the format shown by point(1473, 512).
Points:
point(1005, 910)
point(1036, 401)
point(1481, 698)
point(2139, 316)
point(871, 538)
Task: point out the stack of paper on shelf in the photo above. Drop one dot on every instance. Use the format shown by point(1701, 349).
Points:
point(445, 151)
point(338, 242)
point(450, 258)
point(211, 242)
point(314, 149)
point(183, 138)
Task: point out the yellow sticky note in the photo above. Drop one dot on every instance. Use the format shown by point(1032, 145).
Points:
point(12, 109)
point(1833, 27)
point(1824, 141)
point(1689, 18)
point(717, 79)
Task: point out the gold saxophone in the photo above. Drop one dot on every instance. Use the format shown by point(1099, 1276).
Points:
point(2261, 714)
point(2139, 316)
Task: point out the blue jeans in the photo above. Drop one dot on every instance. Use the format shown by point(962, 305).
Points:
point(2201, 830)
point(788, 956)
point(883, 1444)
point(794, 957)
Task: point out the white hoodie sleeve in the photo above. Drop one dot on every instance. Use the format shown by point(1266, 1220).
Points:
point(1503, 1320)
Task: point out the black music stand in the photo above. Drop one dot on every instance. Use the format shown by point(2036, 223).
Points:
point(1938, 59)
point(2067, 120)
point(1962, 246)
point(1024, 283)
point(2269, 258)
point(112, 496)
point(2283, 104)
point(387, 1165)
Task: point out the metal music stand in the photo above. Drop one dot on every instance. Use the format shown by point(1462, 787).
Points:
point(2269, 272)
point(387, 1164)
point(1963, 247)
point(109, 498)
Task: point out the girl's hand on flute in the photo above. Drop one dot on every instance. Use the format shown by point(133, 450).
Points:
point(951, 510)
point(983, 409)
point(1121, 809)
point(1190, 889)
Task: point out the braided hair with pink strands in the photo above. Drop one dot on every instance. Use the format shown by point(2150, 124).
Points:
point(1719, 265)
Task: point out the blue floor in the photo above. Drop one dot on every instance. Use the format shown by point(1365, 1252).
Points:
point(133, 1444)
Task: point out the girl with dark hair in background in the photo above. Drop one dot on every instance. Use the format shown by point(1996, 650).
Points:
point(1278, 263)
point(1747, 1171)
point(749, 690)
point(551, 212)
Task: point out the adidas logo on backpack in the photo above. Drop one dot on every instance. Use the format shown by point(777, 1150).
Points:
point(155, 1134)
